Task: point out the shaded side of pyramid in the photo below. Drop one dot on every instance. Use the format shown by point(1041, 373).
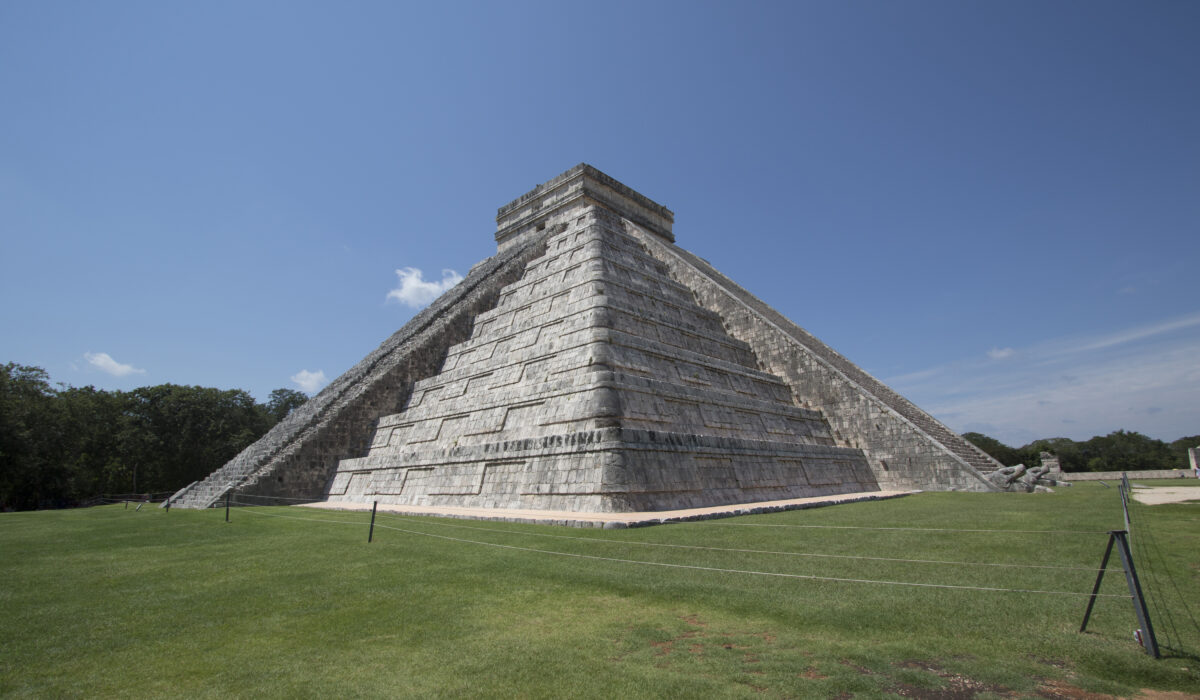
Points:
point(906, 447)
point(598, 384)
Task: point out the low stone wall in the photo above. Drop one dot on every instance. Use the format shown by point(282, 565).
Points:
point(1115, 476)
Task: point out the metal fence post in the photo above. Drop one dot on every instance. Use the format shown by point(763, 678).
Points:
point(371, 532)
point(1148, 640)
point(1125, 496)
point(226, 506)
point(1099, 579)
point(1145, 634)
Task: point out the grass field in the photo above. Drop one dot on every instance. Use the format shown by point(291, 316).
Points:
point(292, 602)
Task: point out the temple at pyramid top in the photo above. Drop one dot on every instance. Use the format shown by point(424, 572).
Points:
point(575, 189)
point(592, 365)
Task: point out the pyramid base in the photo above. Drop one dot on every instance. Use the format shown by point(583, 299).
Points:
point(613, 520)
point(610, 470)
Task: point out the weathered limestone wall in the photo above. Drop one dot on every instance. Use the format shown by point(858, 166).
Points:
point(297, 458)
point(606, 470)
point(906, 448)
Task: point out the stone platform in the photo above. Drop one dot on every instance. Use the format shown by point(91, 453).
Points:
point(614, 520)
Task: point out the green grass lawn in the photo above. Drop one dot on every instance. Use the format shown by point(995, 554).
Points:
point(291, 602)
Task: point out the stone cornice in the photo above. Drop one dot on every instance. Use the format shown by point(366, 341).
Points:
point(580, 186)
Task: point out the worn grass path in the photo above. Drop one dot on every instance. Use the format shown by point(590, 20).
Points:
point(287, 602)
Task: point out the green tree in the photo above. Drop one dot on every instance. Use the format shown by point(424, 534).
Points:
point(31, 475)
point(177, 434)
point(283, 402)
point(92, 440)
point(58, 447)
point(1179, 449)
point(1123, 450)
point(1008, 456)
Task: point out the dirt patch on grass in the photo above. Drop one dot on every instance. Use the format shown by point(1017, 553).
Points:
point(1053, 663)
point(694, 620)
point(1061, 690)
point(861, 669)
point(957, 686)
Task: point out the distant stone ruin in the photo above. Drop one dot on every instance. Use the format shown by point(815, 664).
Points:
point(1025, 479)
point(593, 365)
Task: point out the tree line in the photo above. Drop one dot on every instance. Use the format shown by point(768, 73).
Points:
point(59, 446)
point(1119, 451)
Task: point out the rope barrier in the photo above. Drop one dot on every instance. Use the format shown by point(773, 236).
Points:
point(719, 522)
point(694, 567)
point(711, 523)
point(762, 551)
point(253, 509)
point(1151, 560)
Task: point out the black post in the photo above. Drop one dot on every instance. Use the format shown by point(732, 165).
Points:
point(1099, 577)
point(226, 506)
point(371, 532)
point(1147, 638)
point(1139, 601)
point(1125, 495)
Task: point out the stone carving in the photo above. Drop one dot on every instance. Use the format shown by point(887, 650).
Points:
point(592, 364)
point(1029, 480)
point(1051, 462)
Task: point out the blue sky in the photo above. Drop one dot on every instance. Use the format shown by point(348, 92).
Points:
point(992, 206)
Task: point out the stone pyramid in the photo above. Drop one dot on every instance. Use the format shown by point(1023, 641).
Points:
point(592, 365)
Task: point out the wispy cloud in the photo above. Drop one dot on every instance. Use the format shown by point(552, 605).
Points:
point(414, 291)
point(105, 363)
point(1143, 378)
point(310, 382)
point(1128, 335)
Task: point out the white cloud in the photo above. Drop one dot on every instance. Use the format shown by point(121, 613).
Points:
point(310, 381)
point(104, 362)
point(1132, 334)
point(416, 292)
point(1144, 378)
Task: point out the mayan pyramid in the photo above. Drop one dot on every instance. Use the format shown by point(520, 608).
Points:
point(592, 365)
